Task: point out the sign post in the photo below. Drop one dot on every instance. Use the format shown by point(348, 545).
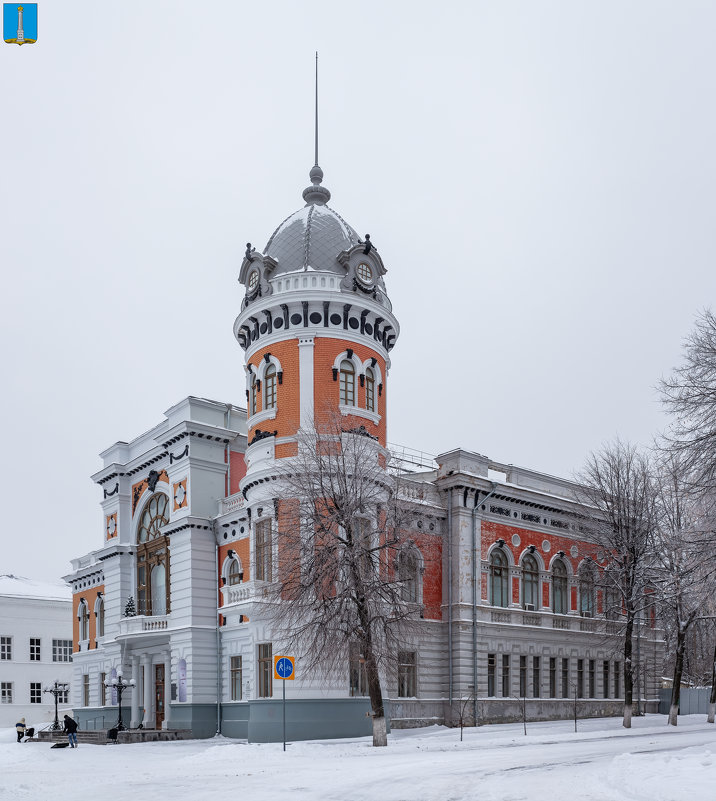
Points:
point(284, 669)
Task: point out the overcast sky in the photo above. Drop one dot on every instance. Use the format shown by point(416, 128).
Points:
point(538, 178)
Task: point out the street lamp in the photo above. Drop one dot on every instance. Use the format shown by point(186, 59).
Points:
point(120, 684)
point(57, 689)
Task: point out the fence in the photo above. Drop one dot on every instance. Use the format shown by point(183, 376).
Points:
point(692, 701)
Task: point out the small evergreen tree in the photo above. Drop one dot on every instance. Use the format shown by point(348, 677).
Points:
point(129, 610)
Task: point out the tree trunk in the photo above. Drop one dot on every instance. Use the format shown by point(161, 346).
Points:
point(380, 733)
point(712, 697)
point(678, 672)
point(628, 672)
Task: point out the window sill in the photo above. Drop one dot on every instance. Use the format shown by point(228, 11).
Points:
point(374, 417)
point(259, 417)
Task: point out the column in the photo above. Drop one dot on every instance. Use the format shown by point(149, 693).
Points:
point(305, 380)
point(167, 687)
point(148, 720)
point(136, 717)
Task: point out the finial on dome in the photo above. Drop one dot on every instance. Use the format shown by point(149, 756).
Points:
point(316, 193)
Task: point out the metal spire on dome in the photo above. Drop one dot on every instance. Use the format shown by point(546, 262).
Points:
point(316, 193)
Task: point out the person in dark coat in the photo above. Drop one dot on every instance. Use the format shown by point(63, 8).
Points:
point(20, 729)
point(71, 729)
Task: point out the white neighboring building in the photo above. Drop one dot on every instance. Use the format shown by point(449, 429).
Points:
point(35, 648)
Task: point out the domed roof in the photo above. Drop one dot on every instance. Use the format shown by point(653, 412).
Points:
point(312, 237)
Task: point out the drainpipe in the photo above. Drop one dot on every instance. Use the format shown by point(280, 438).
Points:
point(449, 527)
point(474, 600)
point(218, 637)
point(227, 450)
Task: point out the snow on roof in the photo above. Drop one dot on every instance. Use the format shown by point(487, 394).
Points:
point(20, 587)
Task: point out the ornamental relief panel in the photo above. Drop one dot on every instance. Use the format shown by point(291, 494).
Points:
point(147, 483)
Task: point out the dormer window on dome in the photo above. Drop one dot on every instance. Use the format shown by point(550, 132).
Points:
point(365, 273)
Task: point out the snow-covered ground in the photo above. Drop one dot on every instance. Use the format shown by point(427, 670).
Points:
point(602, 762)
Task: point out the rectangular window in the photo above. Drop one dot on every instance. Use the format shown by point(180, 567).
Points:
point(617, 680)
point(237, 678)
point(265, 667)
point(34, 649)
point(263, 550)
point(5, 647)
point(565, 677)
point(523, 676)
point(592, 679)
point(64, 697)
point(5, 692)
point(35, 692)
point(102, 689)
point(491, 675)
point(535, 677)
point(407, 674)
point(505, 675)
point(85, 690)
point(552, 677)
point(580, 678)
point(605, 678)
point(62, 650)
point(356, 671)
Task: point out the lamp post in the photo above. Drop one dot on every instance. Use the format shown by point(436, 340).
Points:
point(57, 689)
point(120, 684)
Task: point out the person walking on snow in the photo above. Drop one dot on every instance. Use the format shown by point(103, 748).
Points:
point(71, 729)
point(20, 729)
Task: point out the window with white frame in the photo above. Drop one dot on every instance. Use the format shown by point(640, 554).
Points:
point(5, 648)
point(499, 576)
point(407, 674)
point(99, 614)
point(35, 655)
point(62, 650)
point(63, 696)
point(35, 692)
point(559, 588)
point(530, 582)
point(347, 383)
point(237, 674)
point(85, 689)
point(370, 390)
point(102, 689)
point(264, 567)
point(83, 615)
point(235, 573)
point(270, 387)
point(586, 590)
point(5, 692)
point(409, 574)
point(253, 395)
point(265, 670)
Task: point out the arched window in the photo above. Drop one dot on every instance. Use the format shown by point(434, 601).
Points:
point(408, 575)
point(270, 387)
point(235, 574)
point(253, 393)
point(530, 582)
point(99, 614)
point(499, 578)
point(586, 590)
point(83, 616)
point(370, 390)
point(348, 384)
point(612, 596)
point(559, 588)
point(153, 557)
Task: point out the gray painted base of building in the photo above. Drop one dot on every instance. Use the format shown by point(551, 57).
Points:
point(313, 719)
point(98, 718)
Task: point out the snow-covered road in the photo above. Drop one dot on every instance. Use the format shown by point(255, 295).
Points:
point(602, 762)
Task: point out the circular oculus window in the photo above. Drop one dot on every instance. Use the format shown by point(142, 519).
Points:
point(253, 280)
point(365, 273)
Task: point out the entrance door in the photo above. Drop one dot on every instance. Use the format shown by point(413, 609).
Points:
point(159, 694)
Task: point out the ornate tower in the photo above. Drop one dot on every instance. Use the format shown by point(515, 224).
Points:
point(317, 328)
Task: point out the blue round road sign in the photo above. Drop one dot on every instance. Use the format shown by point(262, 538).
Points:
point(284, 668)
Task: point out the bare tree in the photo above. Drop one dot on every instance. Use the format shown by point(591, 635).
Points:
point(338, 591)
point(684, 572)
point(690, 395)
point(617, 484)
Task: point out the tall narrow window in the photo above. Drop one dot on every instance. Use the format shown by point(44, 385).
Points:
point(34, 649)
point(253, 394)
point(580, 678)
point(565, 677)
point(357, 678)
point(559, 587)
point(530, 582)
point(35, 692)
point(505, 675)
point(265, 670)
point(102, 689)
point(85, 690)
point(236, 678)
point(408, 575)
point(605, 678)
point(499, 575)
point(552, 677)
point(586, 590)
point(84, 620)
point(348, 384)
point(407, 674)
point(491, 675)
point(370, 390)
point(523, 677)
point(617, 680)
point(612, 597)
point(536, 677)
point(270, 387)
point(592, 679)
point(153, 587)
point(99, 611)
point(263, 551)
point(6, 692)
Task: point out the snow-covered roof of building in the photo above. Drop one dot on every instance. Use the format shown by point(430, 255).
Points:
point(20, 587)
